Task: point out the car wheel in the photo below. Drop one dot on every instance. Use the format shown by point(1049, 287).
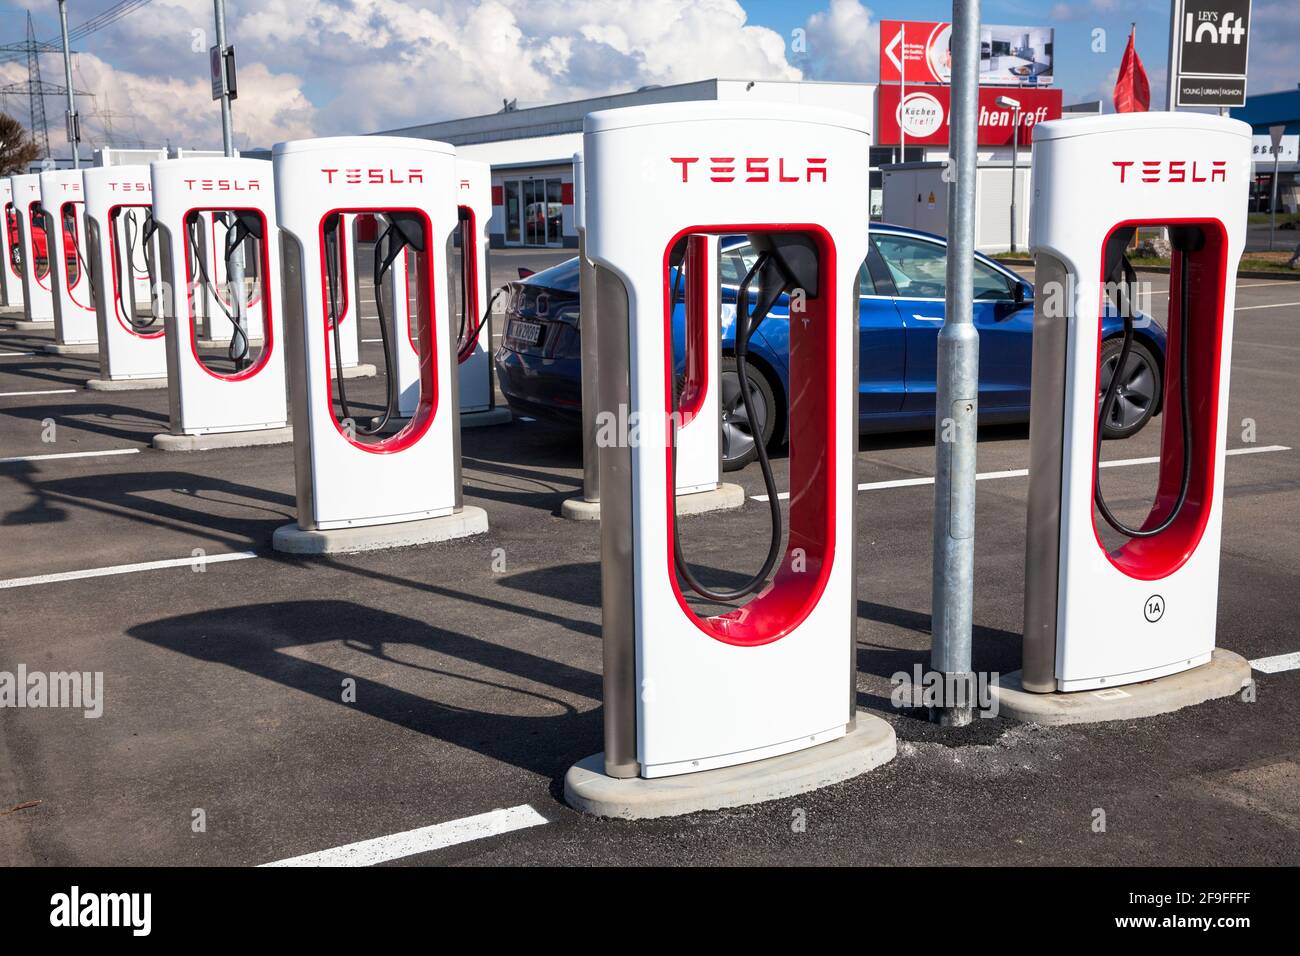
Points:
point(1139, 388)
point(738, 432)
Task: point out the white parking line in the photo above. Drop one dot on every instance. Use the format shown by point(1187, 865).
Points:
point(1022, 472)
point(1273, 305)
point(124, 569)
point(1277, 663)
point(436, 837)
point(1248, 285)
point(43, 391)
point(17, 353)
point(71, 454)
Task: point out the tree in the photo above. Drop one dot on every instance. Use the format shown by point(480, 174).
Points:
point(17, 149)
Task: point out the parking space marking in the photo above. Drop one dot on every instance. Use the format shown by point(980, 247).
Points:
point(1250, 285)
point(71, 454)
point(7, 354)
point(1023, 472)
point(436, 837)
point(1277, 663)
point(124, 569)
point(1272, 305)
point(43, 391)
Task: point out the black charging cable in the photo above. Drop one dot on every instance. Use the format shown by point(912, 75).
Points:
point(246, 226)
point(403, 230)
point(746, 326)
point(1184, 242)
point(133, 233)
point(70, 216)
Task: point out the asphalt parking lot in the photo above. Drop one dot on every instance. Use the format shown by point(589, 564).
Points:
point(476, 687)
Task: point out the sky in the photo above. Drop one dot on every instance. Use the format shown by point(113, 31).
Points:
point(330, 67)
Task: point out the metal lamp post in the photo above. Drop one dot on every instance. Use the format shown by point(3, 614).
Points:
point(1006, 102)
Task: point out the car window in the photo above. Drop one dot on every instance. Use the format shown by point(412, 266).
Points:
point(916, 266)
point(736, 263)
point(739, 259)
point(990, 284)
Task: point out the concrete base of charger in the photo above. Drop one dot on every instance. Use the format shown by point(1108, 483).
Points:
point(1222, 676)
point(870, 744)
point(22, 325)
point(245, 439)
point(125, 384)
point(365, 370)
point(9, 312)
point(722, 498)
point(291, 539)
point(74, 348)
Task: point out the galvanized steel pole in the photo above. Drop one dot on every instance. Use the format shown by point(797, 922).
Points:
point(74, 122)
point(236, 263)
point(957, 391)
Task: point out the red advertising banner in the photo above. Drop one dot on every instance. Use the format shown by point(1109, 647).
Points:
point(924, 114)
point(924, 55)
point(1009, 55)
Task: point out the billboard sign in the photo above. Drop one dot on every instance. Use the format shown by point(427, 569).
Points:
point(923, 114)
point(1211, 39)
point(914, 51)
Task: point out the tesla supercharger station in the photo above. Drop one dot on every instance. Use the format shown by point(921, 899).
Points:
point(230, 393)
point(474, 298)
point(71, 285)
point(1118, 599)
point(699, 437)
point(359, 487)
point(471, 307)
point(688, 692)
point(123, 249)
point(11, 270)
point(38, 303)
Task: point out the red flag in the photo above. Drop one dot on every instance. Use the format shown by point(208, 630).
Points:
point(1132, 92)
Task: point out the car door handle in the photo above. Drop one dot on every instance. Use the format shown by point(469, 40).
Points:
point(927, 318)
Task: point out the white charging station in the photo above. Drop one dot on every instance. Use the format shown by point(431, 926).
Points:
point(474, 299)
point(38, 302)
point(359, 488)
point(700, 488)
point(228, 393)
point(1115, 601)
point(11, 271)
point(688, 692)
point(71, 285)
point(123, 247)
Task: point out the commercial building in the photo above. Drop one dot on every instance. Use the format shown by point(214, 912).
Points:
point(531, 150)
point(1263, 112)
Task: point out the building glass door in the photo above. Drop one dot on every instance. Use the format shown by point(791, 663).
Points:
point(534, 212)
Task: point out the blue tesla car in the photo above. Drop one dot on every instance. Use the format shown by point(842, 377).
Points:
point(900, 312)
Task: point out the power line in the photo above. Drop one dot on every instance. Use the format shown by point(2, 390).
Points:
point(16, 51)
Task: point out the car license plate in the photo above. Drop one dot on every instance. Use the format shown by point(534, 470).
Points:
point(529, 332)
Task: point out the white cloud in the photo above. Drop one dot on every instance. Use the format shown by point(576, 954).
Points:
point(320, 67)
point(843, 43)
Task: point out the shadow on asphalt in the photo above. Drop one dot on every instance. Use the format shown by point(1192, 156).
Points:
point(174, 500)
point(112, 421)
point(267, 641)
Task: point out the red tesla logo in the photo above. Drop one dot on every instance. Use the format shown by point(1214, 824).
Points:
point(223, 185)
point(756, 169)
point(129, 187)
point(1173, 170)
point(354, 177)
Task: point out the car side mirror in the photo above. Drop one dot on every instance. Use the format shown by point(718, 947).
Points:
point(1018, 294)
